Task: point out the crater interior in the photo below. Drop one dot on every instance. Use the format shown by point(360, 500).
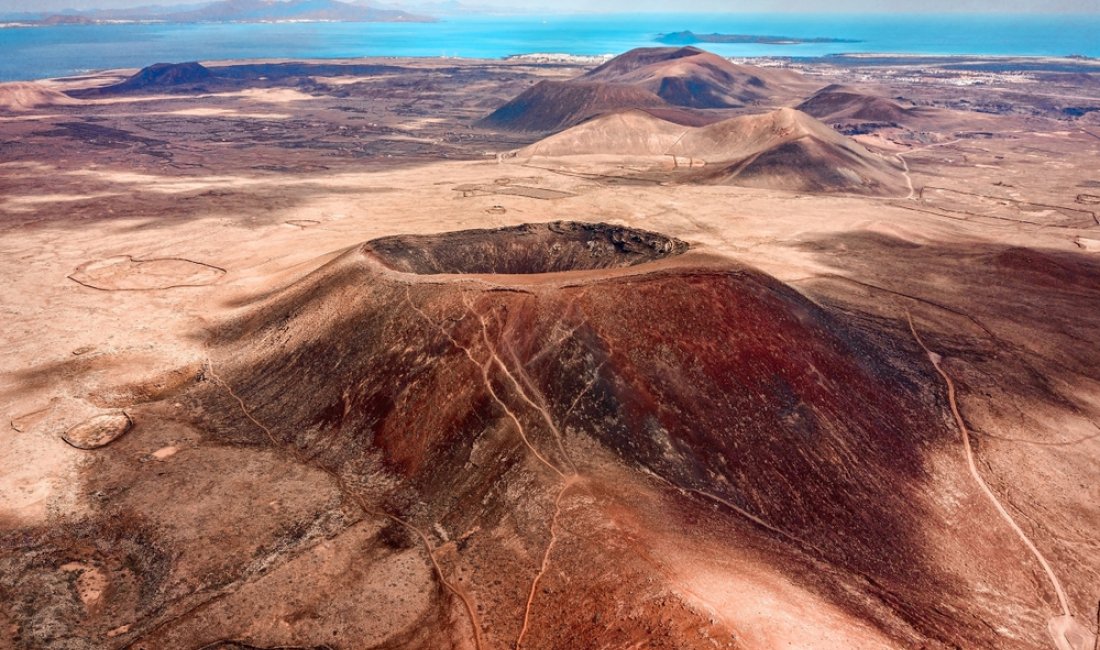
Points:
point(525, 249)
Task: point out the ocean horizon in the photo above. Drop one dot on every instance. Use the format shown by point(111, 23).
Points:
point(64, 50)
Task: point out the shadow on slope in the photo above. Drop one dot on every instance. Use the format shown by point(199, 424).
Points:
point(783, 149)
point(712, 376)
point(686, 84)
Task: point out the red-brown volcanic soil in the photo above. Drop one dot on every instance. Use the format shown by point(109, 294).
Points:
point(837, 103)
point(680, 84)
point(556, 105)
point(298, 358)
point(691, 77)
point(515, 457)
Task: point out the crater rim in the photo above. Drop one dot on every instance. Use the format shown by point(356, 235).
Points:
point(527, 249)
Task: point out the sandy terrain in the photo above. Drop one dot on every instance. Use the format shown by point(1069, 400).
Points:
point(834, 421)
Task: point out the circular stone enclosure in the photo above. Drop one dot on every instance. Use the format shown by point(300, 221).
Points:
point(522, 250)
point(126, 273)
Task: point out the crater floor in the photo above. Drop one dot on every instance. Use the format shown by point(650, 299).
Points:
point(525, 249)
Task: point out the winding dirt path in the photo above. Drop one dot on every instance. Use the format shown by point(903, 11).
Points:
point(905, 164)
point(742, 512)
point(540, 406)
point(569, 482)
point(587, 387)
point(908, 178)
point(359, 501)
point(484, 367)
point(1063, 600)
point(843, 278)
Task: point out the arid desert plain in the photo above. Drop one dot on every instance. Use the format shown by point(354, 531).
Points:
point(665, 352)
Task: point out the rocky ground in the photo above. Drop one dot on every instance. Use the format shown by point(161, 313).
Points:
point(230, 425)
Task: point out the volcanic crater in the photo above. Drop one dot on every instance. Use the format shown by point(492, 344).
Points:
point(525, 249)
point(552, 435)
point(517, 428)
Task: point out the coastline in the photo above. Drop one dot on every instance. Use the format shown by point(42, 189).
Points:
point(958, 63)
point(423, 272)
point(64, 50)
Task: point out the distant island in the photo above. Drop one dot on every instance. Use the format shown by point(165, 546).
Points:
point(691, 38)
point(235, 11)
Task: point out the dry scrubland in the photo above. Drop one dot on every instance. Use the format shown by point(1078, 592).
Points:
point(669, 353)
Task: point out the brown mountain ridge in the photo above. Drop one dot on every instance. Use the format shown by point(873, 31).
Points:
point(533, 439)
point(783, 149)
point(686, 79)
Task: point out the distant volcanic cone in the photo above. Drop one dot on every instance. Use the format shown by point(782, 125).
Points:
point(159, 76)
point(783, 149)
point(680, 84)
point(545, 406)
point(838, 103)
point(18, 96)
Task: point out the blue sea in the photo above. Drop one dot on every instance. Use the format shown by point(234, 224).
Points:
point(38, 52)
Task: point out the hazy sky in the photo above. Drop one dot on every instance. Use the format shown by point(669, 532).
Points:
point(873, 6)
